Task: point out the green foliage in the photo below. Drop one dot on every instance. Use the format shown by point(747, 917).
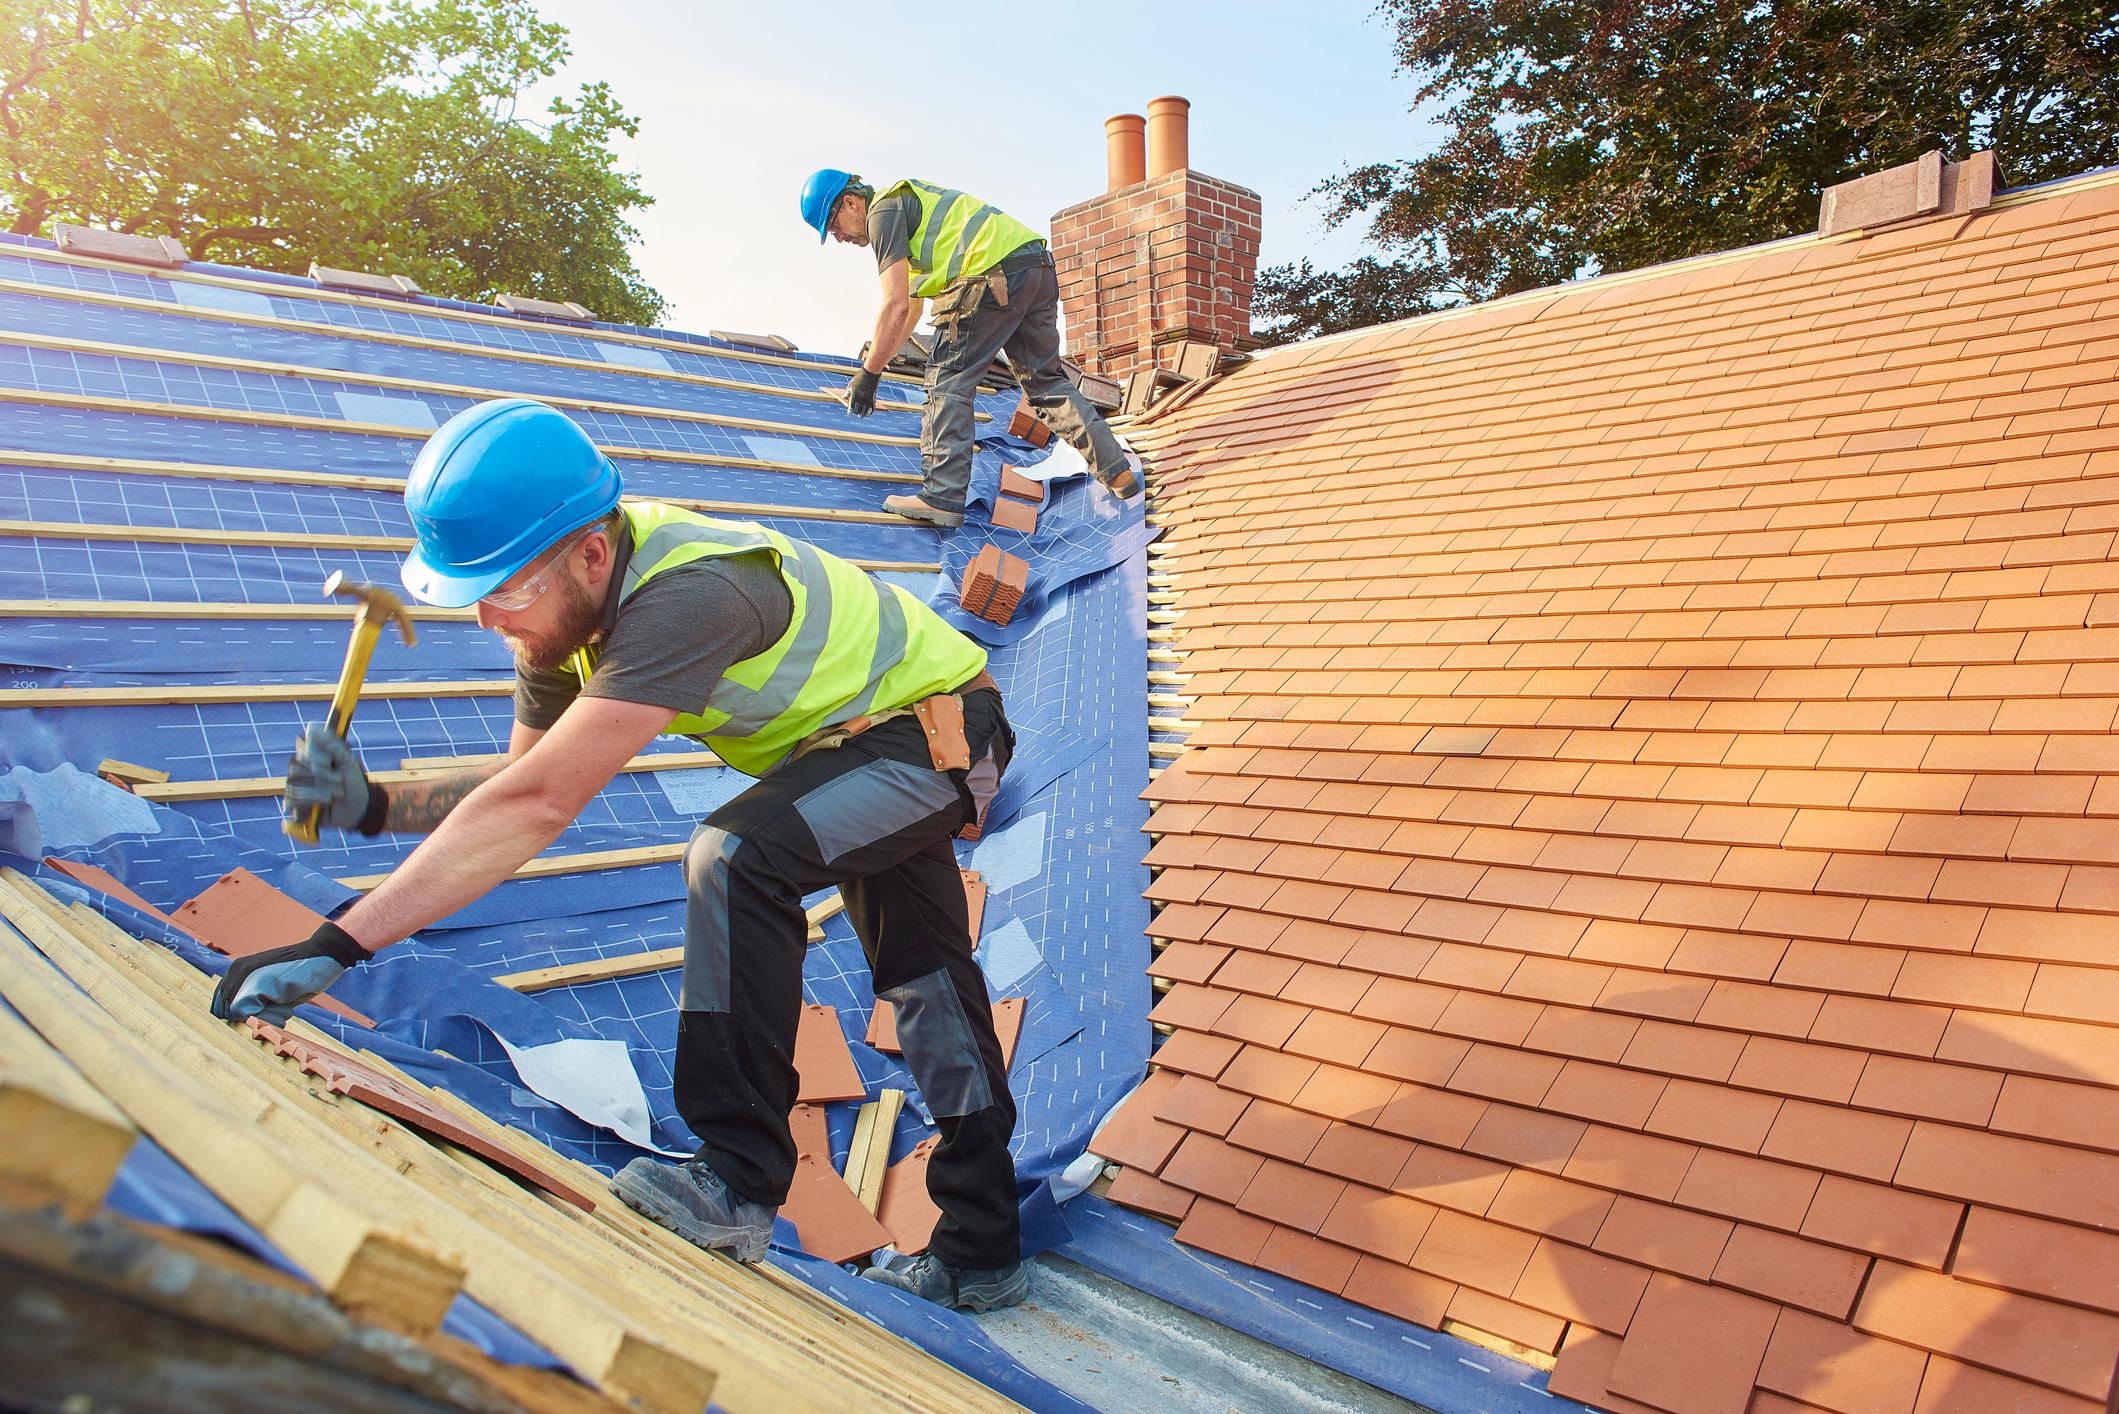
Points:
point(1588, 136)
point(370, 134)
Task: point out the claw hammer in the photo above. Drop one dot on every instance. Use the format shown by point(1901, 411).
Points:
point(377, 607)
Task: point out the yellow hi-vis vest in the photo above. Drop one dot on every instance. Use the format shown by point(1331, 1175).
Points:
point(854, 644)
point(958, 236)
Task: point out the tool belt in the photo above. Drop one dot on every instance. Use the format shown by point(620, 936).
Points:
point(942, 719)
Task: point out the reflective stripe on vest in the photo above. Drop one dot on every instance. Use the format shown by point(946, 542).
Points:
point(854, 644)
point(957, 235)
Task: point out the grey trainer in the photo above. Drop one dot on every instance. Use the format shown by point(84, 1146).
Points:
point(915, 508)
point(959, 1288)
point(691, 1200)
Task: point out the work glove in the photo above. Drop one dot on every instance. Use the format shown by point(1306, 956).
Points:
point(326, 772)
point(270, 985)
point(861, 393)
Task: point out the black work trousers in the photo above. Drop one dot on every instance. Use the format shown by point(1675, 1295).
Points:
point(874, 817)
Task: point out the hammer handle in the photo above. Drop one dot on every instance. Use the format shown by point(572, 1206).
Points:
point(305, 827)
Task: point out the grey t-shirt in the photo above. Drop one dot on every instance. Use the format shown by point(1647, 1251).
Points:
point(891, 222)
point(672, 641)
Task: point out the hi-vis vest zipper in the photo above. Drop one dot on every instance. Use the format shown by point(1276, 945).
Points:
point(958, 236)
point(854, 644)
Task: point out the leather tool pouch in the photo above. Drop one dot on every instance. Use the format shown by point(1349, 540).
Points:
point(942, 719)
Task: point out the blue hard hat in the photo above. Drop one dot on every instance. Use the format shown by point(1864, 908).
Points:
point(495, 487)
point(819, 194)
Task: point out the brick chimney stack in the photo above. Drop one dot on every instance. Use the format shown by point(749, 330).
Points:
point(1165, 255)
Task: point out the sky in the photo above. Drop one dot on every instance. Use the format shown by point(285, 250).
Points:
point(738, 103)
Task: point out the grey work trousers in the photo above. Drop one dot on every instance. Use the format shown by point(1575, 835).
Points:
point(1027, 330)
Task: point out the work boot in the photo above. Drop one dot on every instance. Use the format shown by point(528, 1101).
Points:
point(920, 509)
point(958, 1288)
point(691, 1200)
point(1123, 483)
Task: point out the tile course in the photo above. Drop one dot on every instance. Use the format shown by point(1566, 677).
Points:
point(1646, 860)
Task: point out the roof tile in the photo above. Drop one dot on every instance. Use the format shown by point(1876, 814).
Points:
point(1133, 1135)
point(1842, 1140)
point(1201, 1104)
point(1473, 1252)
point(1714, 1115)
point(1692, 1347)
point(1889, 1222)
point(1220, 1229)
point(1449, 1179)
point(1756, 1190)
point(1432, 1116)
point(2041, 1258)
point(1581, 1285)
point(1832, 1366)
point(1657, 1235)
point(1510, 1321)
point(1400, 1291)
point(2062, 1346)
point(1791, 1271)
point(1386, 1224)
point(1571, 1212)
point(1207, 1166)
point(1307, 1259)
point(1953, 1388)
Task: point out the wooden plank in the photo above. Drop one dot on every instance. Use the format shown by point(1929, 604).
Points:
point(554, 865)
point(126, 772)
point(566, 1316)
point(58, 1134)
point(368, 1266)
point(876, 1164)
point(603, 969)
point(195, 609)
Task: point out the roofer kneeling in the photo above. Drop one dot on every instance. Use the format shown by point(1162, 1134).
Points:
point(629, 621)
point(994, 290)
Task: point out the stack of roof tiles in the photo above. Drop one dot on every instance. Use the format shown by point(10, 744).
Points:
point(1643, 881)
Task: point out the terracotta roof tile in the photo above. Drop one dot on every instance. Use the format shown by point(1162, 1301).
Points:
point(1133, 1135)
point(1953, 1388)
point(1693, 1347)
point(1386, 1224)
point(2040, 1258)
point(1307, 1259)
point(1528, 1138)
point(1831, 1366)
point(1219, 1228)
point(1196, 1053)
point(1449, 1179)
point(1267, 1074)
point(1555, 1207)
point(2063, 1346)
point(1507, 1319)
point(1201, 1104)
point(1790, 831)
point(1207, 1166)
point(1357, 1153)
point(1137, 1189)
point(1291, 1194)
point(1579, 1285)
point(1791, 1271)
point(1473, 1252)
point(1657, 1235)
point(2052, 1109)
point(1400, 1291)
point(1925, 1090)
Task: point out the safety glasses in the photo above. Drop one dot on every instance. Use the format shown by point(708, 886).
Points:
point(523, 595)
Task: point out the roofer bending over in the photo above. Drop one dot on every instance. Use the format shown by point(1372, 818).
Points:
point(994, 290)
point(793, 666)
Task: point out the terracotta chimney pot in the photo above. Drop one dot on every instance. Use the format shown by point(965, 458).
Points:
point(1169, 135)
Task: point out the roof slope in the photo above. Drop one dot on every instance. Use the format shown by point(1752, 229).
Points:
point(1642, 883)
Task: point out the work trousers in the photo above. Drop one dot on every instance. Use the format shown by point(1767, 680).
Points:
point(874, 817)
point(1027, 329)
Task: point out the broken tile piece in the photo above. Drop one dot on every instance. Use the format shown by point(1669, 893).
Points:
point(822, 1060)
point(906, 1212)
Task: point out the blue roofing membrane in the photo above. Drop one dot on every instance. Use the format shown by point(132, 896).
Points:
point(298, 391)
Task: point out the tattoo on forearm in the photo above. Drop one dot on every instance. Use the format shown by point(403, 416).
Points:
point(418, 806)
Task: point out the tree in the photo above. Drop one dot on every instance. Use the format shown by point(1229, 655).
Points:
point(370, 134)
point(1589, 136)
